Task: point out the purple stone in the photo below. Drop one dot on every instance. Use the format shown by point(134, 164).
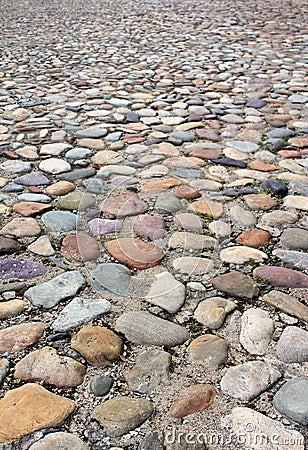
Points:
point(194, 118)
point(230, 162)
point(257, 104)
point(10, 268)
point(209, 135)
point(105, 226)
point(195, 102)
point(32, 179)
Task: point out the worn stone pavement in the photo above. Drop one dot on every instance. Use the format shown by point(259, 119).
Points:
point(153, 228)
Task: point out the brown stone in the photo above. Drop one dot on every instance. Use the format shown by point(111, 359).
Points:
point(17, 337)
point(262, 166)
point(93, 144)
point(30, 408)
point(289, 153)
point(27, 209)
point(134, 252)
point(148, 226)
point(203, 153)
point(80, 247)
point(259, 201)
point(207, 208)
point(122, 205)
point(192, 400)
point(60, 188)
point(160, 185)
point(254, 238)
point(97, 344)
point(134, 138)
point(47, 366)
point(236, 284)
point(287, 304)
point(8, 245)
point(210, 350)
point(281, 277)
point(11, 308)
point(21, 227)
point(186, 192)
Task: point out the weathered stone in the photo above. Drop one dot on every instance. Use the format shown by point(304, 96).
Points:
point(263, 426)
point(42, 246)
point(242, 217)
point(121, 415)
point(76, 200)
point(296, 260)
point(60, 221)
point(281, 277)
point(11, 268)
point(28, 209)
point(212, 312)
point(100, 385)
point(11, 308)
point(287, 304)
point(59, 441)
point(30, 408)
point(148, 226)
point(292, 400)
point(193, 399)
point(18, 337)
point(47, 366)
point(294, 239)
point(193, 265)
point(105, 226)
point(246, 381)
point(256, 331)
point(143, 328)
point(236, 284)
point(79, 311)
point(111, 279)
point(292, 346)
point(191, 241)
point(98, 345)
point(60, 188)
point(150, 371)
point(80, 247)
point(209, 350)
point(21, 227)
point(166, 292)
point(122, 205)
point(8, 245)
point(254, 238)
point(207, 208)
point(188, 221)
point(51, 292)
point(241, 254)
point(259, 201)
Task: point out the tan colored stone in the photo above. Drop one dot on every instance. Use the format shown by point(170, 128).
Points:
point(186, 192)
point(106, 157)
point(60, 188)
point(299, 142)
point(97, 344)
point(122, 205)
point(21, 227)
point(210, 350)
point(164, 148)
point(47, 366)
point(160, 185)
point(212, 312)
point(192, 400)
point(262, 166)
point(11, 308)
point(93, 144)
point(30, 408)
point(262, 202)
point(207, 208)
point(27, 209)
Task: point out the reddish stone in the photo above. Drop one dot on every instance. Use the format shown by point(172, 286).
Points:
point(259, 201)
point(262, 166)
point(299, 142)
point(80, 247)
point(18, 337)
point(134, 138)
point(281, 277)
point(203, 153)
point(192, 400)
point(186, 192)
point(134, 252)
point(254, 238)
point(149, 226)
point(27, 209)
point(236, 284)
point(35, 189)
point(122, 205)
point(210, 135)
